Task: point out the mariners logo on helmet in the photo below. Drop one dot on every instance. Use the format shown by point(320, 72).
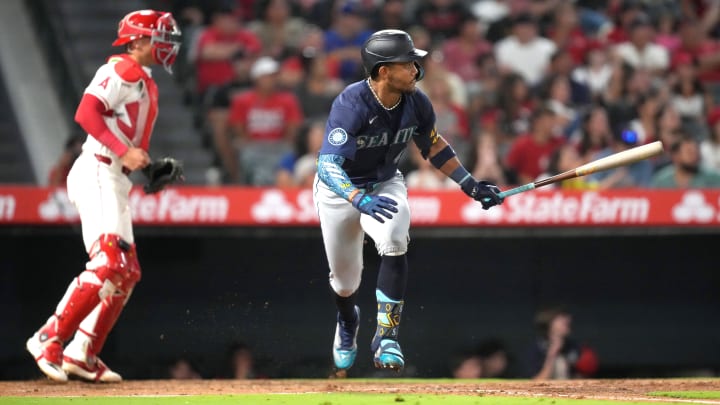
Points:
point(337, 137)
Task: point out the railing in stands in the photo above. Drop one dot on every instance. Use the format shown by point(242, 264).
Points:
point(66, 77)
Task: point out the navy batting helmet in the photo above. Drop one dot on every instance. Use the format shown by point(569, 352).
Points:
point(390, 46)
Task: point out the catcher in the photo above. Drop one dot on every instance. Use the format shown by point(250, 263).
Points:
point(118, 111)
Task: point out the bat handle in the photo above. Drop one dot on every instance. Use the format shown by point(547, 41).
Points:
point(513, 191)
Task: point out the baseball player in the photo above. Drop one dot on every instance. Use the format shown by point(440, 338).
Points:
point(358, 188)
point(118, 111)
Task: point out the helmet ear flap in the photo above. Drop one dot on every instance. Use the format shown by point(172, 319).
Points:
point(421, 71)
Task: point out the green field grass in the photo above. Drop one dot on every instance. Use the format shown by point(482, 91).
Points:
point(687, 394)
point(309, 399)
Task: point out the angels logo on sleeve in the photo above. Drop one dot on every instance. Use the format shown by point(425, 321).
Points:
point(337, 137)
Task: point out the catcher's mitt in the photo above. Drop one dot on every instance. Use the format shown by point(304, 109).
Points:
point(162, 172)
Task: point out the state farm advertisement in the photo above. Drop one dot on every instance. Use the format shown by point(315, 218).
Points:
point(240, 206)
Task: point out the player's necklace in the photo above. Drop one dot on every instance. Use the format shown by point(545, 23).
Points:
point(378, 98)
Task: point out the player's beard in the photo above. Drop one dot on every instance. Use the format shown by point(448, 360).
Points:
point(400, 85)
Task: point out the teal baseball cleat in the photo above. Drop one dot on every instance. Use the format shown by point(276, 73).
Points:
point(345, 344)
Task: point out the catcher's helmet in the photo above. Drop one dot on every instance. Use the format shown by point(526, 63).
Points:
point(390, 46)
point(159, 26)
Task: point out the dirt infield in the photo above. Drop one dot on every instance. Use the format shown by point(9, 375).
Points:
point(598, 389)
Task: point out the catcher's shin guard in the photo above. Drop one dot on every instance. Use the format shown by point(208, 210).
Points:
point(108, 270)
point(386, 349)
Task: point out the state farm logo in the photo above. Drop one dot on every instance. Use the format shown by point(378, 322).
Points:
point(274, 206)
point(558, 208)
point(693, 207)
point(57, 206)
point(7, 207)
point(172, 206)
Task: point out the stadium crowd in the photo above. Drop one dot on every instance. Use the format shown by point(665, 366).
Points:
point(522, 88)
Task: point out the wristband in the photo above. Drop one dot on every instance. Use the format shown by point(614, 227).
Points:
point(460, 175)
point(440, 158)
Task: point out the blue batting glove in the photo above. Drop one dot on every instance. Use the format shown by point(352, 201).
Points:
point(375, 206)
point(484, 192)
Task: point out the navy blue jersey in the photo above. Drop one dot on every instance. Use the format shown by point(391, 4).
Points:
point(373, 139)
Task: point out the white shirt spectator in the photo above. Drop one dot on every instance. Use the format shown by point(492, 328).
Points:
point(595, 79)
point(710, 155)
point(528, 60)
point(652, 56)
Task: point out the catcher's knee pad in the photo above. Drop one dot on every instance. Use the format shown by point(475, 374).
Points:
point(115, 260)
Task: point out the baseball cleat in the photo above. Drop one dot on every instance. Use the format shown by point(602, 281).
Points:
point(389, 355)
point(47, 352)
point(345, 344)
point(85, 365)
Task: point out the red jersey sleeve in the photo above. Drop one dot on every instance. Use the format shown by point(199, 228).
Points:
point(89, 116)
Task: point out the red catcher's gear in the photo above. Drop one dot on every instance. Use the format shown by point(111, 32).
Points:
point(159, 26)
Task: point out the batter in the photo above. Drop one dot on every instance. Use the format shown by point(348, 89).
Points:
point(358, 189)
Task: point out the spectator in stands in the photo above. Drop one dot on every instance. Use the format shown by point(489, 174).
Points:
point(561, 64)
point(566, 33)
point(639, 51)
point(667, 31)
point(486, 162)
point(425, 177)
point(596, 71)
point(529, 154)
point(637, 174)
point(689, 96)
point(462, 52)
point(265, 121)
point(595, 134)
point(644, 125)
point(704, 51)
point(183, 369)
point(511, 117)
point(451, 119)
point(279, 32)
point(524, 52)
point(59, 171)
point(623, 16)
point(318, 89)
point(556, 94)
point(685, 170)
point(344, 39)
point(390, 15)
point(554, 355)
point(312, 44)
point(217, 107)
point(442, 18)
point(668, 124)
point(222, 43)
point(293, 170)
point(710, 147)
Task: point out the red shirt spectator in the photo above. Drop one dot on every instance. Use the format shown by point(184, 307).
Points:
point(264, 113)
point(706, 51)
point(217, 46)
point(462, 53)
point(529, 154)
point(265, 118)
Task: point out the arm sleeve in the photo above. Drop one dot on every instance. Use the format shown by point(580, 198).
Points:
point(331, 173)
point(89, 116)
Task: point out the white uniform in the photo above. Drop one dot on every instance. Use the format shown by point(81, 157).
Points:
point(98, 184)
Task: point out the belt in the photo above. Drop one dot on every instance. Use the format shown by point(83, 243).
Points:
point(108, 161)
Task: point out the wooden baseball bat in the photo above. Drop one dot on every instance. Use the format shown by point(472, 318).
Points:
point(623, 158)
